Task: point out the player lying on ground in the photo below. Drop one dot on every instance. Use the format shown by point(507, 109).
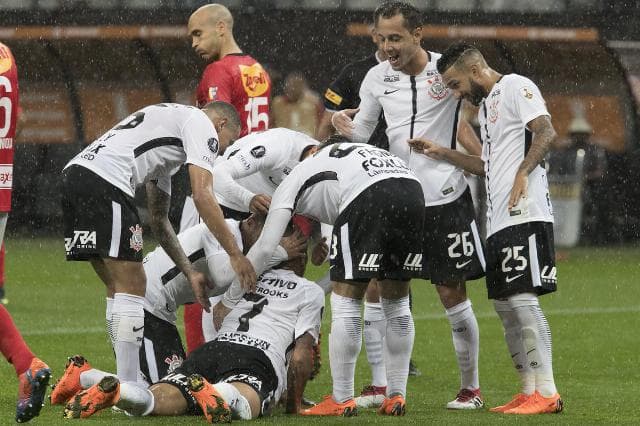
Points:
point(167, 289)
point(243, 372)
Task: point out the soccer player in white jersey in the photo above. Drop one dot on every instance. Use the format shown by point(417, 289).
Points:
point(416, 103)
point(242, 374)
point(375, 205)
point(101, 222)
point(517, 132)
point(245, 178)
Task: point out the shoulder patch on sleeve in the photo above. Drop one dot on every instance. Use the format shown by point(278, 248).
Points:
point(258, 151)
point(332, 96)
point(526, 92)
point(213, 145)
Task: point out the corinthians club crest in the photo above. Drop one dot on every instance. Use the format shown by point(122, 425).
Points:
point(135, 242)
point(437, 89)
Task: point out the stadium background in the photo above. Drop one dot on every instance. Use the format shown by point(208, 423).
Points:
point(86, 64)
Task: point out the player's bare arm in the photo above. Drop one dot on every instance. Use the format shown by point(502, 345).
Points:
point(470, 163)
point(158, 202)
point(543, 136)
point(208, 208)
point(299, 372)
point(467, 137)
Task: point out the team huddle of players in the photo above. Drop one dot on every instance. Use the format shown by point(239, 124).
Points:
point(395, 214)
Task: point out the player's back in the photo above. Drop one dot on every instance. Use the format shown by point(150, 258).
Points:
point(150, 143)
point(283, 307)
point(323, 185)
point(241, 81)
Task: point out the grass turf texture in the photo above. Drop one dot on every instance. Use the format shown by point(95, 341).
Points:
point(59, 307)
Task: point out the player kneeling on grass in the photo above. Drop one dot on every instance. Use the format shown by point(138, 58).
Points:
point(243, 372)
point(167, 289)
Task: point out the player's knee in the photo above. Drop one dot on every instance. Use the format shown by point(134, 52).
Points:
point(523, 299)
point(396, 308)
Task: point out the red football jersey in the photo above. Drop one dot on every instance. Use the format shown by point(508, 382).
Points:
point(241, 81)
point(8, 120)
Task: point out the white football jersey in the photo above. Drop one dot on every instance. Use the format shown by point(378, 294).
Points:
point(152, 143)
point(322, 186)
point(283, 308)
point(167, 287)
point(415, 106)
point(257, 163)
point(512, 103)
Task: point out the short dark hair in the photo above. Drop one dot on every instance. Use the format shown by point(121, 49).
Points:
point(333, 139)
point(225, 110)
point(452, 54)
point(389, 9)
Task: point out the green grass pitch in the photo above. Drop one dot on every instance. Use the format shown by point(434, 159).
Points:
point(594, 318)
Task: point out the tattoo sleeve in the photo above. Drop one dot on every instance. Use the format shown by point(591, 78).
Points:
point(543, 135)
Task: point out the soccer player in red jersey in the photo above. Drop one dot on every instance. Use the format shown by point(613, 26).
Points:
point(232, 77)
point(33, 374)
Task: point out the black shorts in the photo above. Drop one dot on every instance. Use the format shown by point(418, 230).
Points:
point(452, 246)
point(378, 235)
point(227, 362)
point(230, 213)
point(99, 219)
point(161, 351)
point(521, 259)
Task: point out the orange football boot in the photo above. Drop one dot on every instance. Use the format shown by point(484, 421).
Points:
point(214, 407)
point(515, 401)
point(103, 394)
point(69, 383)
point(31, 390)
point(329, 407)
point(393, 406)
point(538, 404)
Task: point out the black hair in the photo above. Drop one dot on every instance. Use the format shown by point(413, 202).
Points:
point(389, 9)
point(226, 110)
point(333, 139)
point(452, 54)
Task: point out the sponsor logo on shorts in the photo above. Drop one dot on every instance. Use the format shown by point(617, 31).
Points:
point(247, 379)
point(174, 361)
point(136, 242)
point(463, 264)
point(513, 278)
point(370, 262)
point(244, 339)
point(413, 262)
point(80, 240)
point(548, 275)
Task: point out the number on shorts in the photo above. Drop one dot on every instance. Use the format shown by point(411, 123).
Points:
point(334, 247)
point(513, 253)
point(462, 240)
point(255, 310)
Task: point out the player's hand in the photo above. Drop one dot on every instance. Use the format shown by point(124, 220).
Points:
point(200, 284)
point(219, 313)
point(519, 189)
point(295, 245)
point(427, 147)
point(244, 271)
point(343, 121)
point(260, 204)
point(320, 252)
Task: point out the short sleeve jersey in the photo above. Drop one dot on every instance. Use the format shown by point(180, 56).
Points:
point(512, 103)
point(8, 119)
point(264, 160)
point(152, 144)
point(167, 287)
point(322, 186)
point(416, 106)
point(344, 93)
point(283, 308)
point(240, 80)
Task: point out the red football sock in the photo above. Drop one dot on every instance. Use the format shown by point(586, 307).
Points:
point(193, 326)
point(12, 345)
point(2, 266)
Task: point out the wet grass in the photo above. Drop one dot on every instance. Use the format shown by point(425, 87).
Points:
point(59, 307)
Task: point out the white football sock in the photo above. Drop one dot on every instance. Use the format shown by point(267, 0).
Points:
point(135, 399)
point(375, 327)
point(466, 341)
point(109, 319)
point(345, 341)
point(536, 336)
point(398, 343)
point(240, 408)
point(128, 327)
point(92, 376)
point(513, 337)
